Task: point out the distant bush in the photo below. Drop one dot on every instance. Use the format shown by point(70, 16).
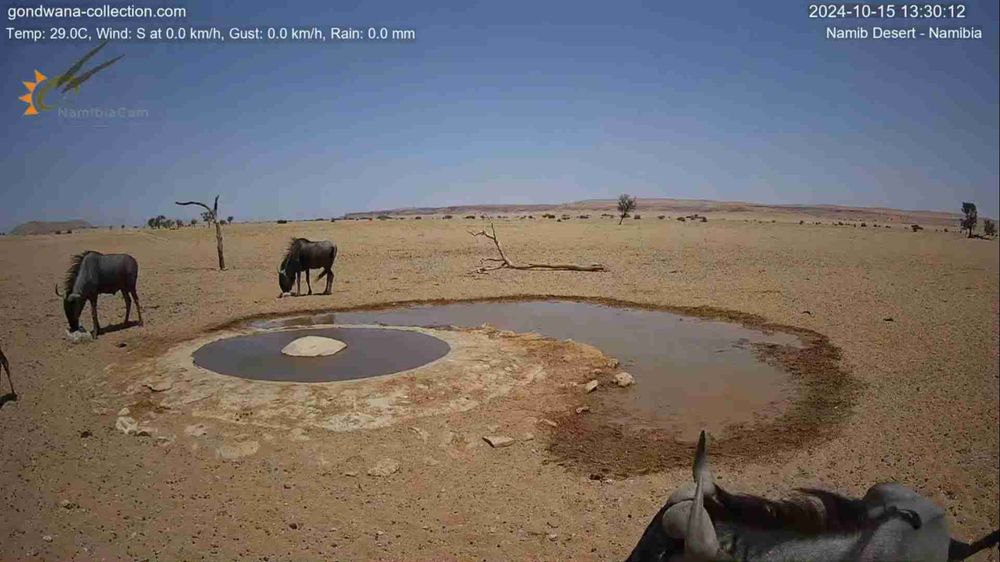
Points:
point(282, 221)
point(637, 217)
point(417, 218)
point(681, 219)
point(446, 217)
point(916, 227)
point(470, 216)
point(970, 217)
point(660, 217)
point(384, 217)
point(989, 228)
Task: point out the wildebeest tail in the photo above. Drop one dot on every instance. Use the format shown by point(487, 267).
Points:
point(958, 550)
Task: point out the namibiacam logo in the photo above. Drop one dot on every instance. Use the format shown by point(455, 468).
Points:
point(69, 80)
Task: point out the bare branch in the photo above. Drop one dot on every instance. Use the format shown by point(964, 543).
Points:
point(503, 262)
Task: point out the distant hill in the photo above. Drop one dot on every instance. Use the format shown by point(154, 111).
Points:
point(684, 206)
point(48, 227)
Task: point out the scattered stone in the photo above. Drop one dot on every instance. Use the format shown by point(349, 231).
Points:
point(583, 409)
point(591, 386)
point(888, 319)
point(498, 441)
point(47, 538)
point(231, 451)
point(624, 379)
point(552, 536)
point(196, 430)
point(122, 344)
point(66, 504)
point(127, 425)
point(293, 526)
point(549, 422)
point(85, 434)
point(351, 473)
point(529, 437)
point(159, 386)
point(384, 467)
point(421, 433)
point(124, 411)
point(313, 346)
point(80, 336)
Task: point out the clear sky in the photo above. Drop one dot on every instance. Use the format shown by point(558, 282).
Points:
point(505, 102)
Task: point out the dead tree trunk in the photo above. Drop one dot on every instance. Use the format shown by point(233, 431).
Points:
point(502, 262)
point(214, 217)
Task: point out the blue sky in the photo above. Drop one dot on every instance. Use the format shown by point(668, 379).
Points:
point(506, 102)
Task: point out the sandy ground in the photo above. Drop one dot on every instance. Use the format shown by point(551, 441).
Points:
point(209, 487)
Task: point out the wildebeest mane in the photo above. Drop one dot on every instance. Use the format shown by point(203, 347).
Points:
point(294, 246)
point(810, 512)
point(74, 270)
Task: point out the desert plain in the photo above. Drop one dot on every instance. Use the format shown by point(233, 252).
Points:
point(219, 472)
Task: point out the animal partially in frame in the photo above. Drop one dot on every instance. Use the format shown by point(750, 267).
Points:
point(5, 366)
point(301, 256)
point(702, 522)
point(91, 274)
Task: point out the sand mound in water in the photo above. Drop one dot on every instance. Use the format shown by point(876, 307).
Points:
point(313, 346)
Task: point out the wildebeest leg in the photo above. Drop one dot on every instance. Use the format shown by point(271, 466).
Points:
point(298, 281)
point(329, 281)
point(93, 312)
point(6, 367)
point(138, 308)
point(128, 305)
point(308, 284)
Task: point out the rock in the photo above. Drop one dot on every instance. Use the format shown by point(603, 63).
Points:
point(313, 346)
point(384, 467)
point(583, 409)
point(293, 526)
point(624, 379)
point(196, 430)
point(529, 437)
point(124, 411)
point(498, 441)
point(127, 425)
point(549, 422)
point(351, 473)
point(239, 449)
point(421, 433)
point(79, 336)
point(47, 538)
point(298, 434)
point(85, 434)
point(66, 504)
point(122, 344)
point(159, 386)
point(553, 536)
point(591, 386)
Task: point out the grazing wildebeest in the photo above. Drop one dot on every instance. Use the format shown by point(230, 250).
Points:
point(5, 366)
point(93, 273)
point(303, 255)
point(703, 522)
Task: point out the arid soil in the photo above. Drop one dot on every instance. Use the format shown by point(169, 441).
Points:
point(911, 318)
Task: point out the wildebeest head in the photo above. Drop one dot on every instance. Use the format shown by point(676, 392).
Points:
point(285, 276)
point(73, 306)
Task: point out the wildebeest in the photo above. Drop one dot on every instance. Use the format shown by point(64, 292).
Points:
point(703, 522)
point(303, 255)
point(5, 366)
point(93, 273)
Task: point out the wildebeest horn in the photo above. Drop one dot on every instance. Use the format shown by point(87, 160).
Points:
point(60, 295)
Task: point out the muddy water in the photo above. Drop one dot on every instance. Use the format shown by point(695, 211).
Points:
point(370, 352)
point(690, 372)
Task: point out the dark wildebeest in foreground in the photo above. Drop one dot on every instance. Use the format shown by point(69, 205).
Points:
point(702, 522)
point(303, 255)
point(93, 273)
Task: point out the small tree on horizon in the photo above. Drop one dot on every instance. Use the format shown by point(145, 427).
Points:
point(626, 204)
point(989, 228)
point(970, 217)
point(212, 214)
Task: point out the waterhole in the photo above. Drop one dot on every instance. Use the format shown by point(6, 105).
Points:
point(370, 352)
point(690, 372)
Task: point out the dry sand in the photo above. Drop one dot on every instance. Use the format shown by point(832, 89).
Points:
point(230, 487)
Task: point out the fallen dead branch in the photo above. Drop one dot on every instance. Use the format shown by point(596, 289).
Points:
point(503, 262)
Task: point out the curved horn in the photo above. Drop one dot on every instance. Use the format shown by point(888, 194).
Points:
point(60, 295)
